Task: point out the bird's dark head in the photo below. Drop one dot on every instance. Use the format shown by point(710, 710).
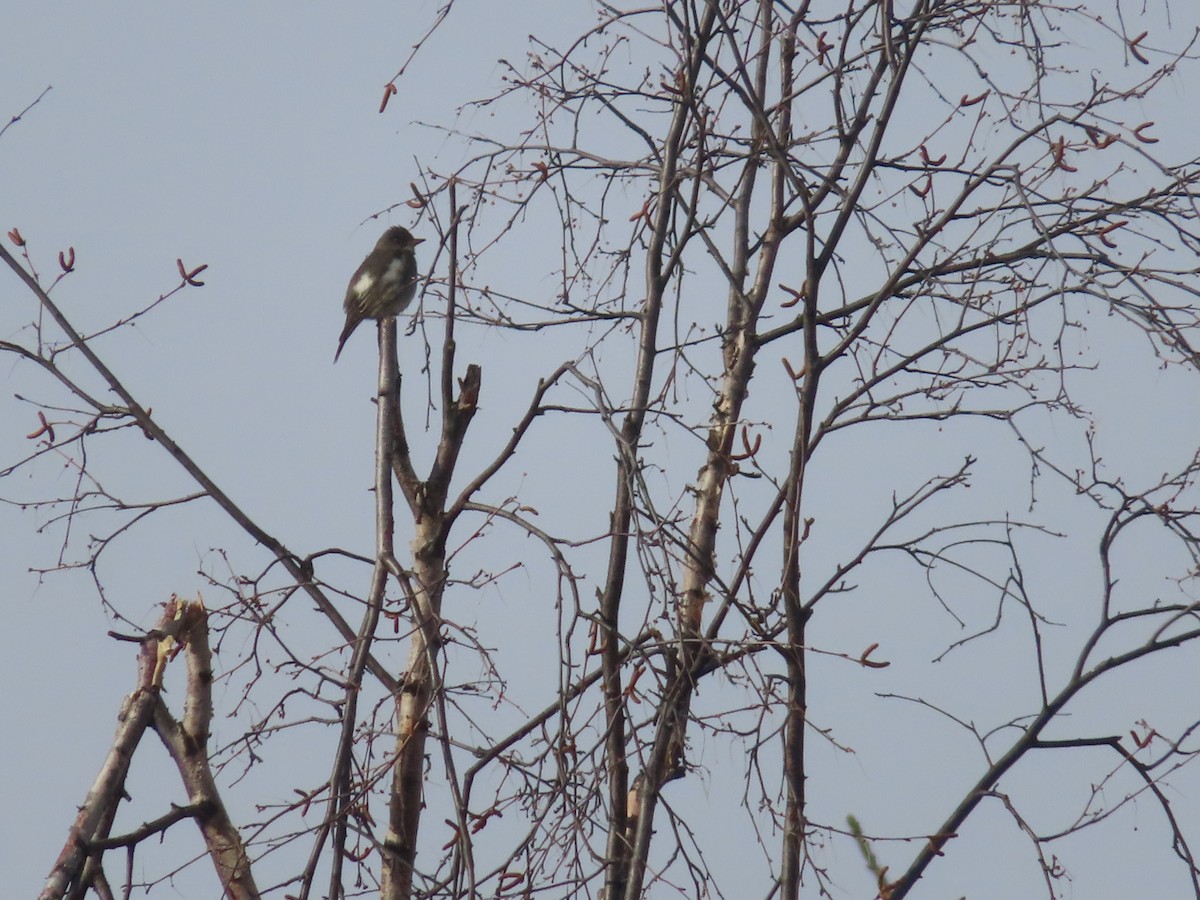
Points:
point(397, 238)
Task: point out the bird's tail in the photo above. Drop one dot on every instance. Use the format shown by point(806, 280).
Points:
point(351, 324)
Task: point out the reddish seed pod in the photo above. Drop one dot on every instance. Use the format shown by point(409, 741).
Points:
point(510, 880)
point(871, 663)
point(822, 47)
point(417, 202)
point(925, 158)
point(1104, 233)
point(923, 192)
point(795, 295)
point(1060, 150)
point(388, 90)
point(46, 429)
point(190, 277)
point(1135, 52)
point(1140, 134)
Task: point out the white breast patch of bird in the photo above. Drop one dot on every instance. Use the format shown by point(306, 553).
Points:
point(394, 271)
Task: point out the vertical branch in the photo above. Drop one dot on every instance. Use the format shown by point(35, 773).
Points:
point(341, 800)
point(450, 437)
point(421, 683)
point(627, 804)
point(629, 864)
point(796, 618)
point(448, 345)
point(793, 528)
point(412, 702)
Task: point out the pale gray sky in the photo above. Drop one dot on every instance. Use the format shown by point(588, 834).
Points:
point(247, 137)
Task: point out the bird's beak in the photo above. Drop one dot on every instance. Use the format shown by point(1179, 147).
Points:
point(418, 241)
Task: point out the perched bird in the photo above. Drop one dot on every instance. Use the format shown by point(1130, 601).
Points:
point(384, 284)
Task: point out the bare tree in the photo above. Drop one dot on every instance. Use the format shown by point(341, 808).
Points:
point(832, 278)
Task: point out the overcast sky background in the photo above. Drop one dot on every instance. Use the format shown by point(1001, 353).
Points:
point(247, 137)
